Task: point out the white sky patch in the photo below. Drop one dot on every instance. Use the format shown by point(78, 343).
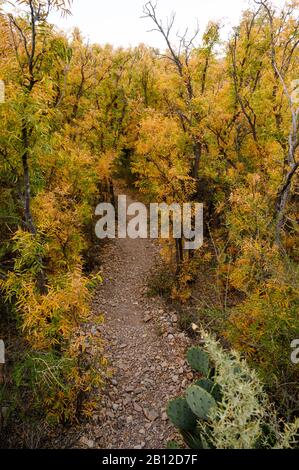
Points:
point(119, 22)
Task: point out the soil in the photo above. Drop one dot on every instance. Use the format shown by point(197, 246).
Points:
point(145, 348)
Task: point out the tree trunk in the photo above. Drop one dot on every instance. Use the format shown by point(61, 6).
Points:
point(26, 173)
point(41, 279)
point(179, 254)
point(197, 158)
point(282, 202)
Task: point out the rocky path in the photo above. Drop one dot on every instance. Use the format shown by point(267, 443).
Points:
point(145, 349)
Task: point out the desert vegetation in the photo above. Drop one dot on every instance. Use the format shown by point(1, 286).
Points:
point(204, 120)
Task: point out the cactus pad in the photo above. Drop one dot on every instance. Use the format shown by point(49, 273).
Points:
point(200, 401)
point(198, 360)
point(210, 387)
point(181, 415)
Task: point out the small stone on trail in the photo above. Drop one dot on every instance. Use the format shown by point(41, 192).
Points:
point(137, 407)
point(87, 443)
point(151, 415)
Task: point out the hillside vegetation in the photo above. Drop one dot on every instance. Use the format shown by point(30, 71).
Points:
point(202, 121)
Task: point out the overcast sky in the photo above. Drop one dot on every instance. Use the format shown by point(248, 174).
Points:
point(119, 22)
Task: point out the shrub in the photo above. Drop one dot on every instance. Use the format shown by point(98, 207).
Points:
point(263, 328)
point(228, 409)
point(57, 373)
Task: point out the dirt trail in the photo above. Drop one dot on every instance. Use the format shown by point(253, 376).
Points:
point(145, 349)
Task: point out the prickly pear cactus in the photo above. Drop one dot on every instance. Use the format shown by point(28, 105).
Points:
point(216, 393)
point(181, 415)
point(200, 401)
point(198, 360)
point(206, 384)
point(193, 440)
point(210, 387)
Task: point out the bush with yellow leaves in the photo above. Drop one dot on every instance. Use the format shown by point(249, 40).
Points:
point(64, 361)
point(264, 326)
